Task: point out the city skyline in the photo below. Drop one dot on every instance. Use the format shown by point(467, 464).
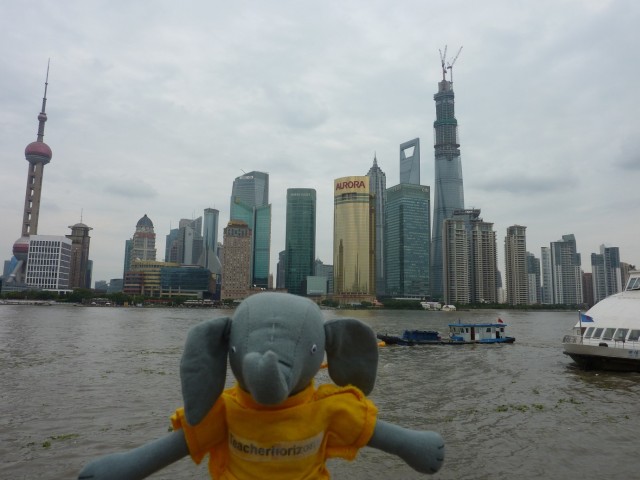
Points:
point(163, 125)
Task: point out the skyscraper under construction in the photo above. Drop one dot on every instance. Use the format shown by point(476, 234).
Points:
point(448, 188)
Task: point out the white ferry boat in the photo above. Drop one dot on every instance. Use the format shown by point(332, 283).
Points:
point(607, 336)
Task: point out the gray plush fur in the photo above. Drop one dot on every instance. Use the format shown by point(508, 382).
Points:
point(275, 344)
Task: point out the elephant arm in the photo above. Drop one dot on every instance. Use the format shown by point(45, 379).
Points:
point(139, 462)
point(423, 451)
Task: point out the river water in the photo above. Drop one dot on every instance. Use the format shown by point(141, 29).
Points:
point(81, 382)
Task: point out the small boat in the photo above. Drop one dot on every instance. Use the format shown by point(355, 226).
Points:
point(607, 336)
point(459, 334)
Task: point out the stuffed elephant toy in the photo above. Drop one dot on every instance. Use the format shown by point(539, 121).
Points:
point(274, 422)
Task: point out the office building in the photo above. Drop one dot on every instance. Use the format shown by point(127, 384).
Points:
point(209, 257)
point(49, 263)
point(300, 239)
point(353, 240)
point(80, 265)
point(143, 277)
point(566, 271)
point(280, 270)
point(250, 204)
point(410, 162)
point(378, 186)
point(38, 154)
point(143, 244)
point(515, 255)
point(322, 270)
point(408, 237)
point(469, 259)
point(172, 245)
point(607, 275)
point(448, 188)
point(191, 281)
point(236, 264)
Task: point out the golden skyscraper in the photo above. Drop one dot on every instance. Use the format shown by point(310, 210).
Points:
point(353, 239)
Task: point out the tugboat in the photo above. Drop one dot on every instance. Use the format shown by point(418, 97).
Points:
point(459, 334)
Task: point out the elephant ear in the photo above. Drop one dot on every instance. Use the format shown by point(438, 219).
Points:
point(352, 353)
point(203, 367)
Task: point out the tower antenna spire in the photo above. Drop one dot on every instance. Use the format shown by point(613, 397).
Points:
point(42, 116)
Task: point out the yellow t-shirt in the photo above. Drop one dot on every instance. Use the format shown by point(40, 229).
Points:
point(289, 441)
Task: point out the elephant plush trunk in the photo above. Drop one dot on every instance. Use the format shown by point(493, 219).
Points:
point(266, 378)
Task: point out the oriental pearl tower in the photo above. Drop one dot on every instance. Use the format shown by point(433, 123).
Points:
point(38, 154)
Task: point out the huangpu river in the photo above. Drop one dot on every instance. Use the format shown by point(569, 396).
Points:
point(81, 382)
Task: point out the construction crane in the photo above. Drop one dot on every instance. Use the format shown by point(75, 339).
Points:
point(443, 57)
point(450, 66)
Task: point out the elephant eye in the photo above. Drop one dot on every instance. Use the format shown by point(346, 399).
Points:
point(233, 349)
point(314, 348)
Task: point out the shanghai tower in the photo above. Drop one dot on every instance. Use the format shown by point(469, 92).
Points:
point(448, 190)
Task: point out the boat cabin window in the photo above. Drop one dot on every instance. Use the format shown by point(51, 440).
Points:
point(634, 335)
point(488, 329)
point(634, 283)
point(597, 333)
point(589, 332)
point(621, 334)
point(608, 333)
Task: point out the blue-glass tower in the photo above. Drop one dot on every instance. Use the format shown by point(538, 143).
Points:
point(448, 189)
point(300, 239)
point(408, 236)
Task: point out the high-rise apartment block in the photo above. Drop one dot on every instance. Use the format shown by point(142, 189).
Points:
point(469, 259)
point(534, 279)
point(566, 273)
point(300, 239)
point(410, 162)
point(407, 240)
point(236, 264)
point(80, 276)
point(547, 276)
point(515, 254)
point(448, 188)
point(378, 186)
point(353, 240)
point(607, 275)
point(250, 204)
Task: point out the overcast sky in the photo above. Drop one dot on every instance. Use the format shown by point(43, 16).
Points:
point(156, 106)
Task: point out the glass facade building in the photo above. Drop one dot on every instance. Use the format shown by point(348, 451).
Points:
point(408, 238)
point(410, 162)
point(448, 188)
point(187, 281)
point(378, 186)
point(250, 204)
point(353, 237)
point(300, 239)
